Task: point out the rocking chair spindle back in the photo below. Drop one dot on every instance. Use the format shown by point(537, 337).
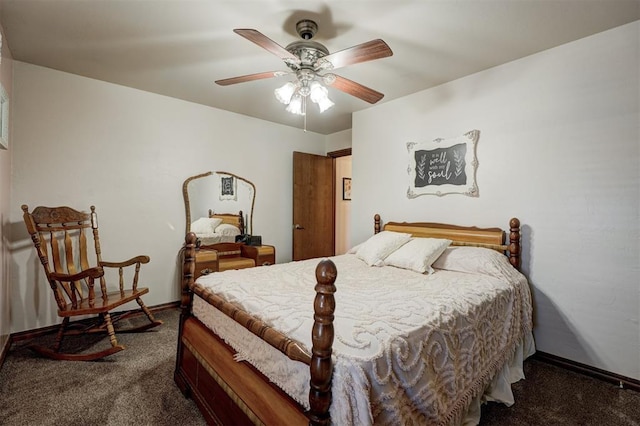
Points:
point(61, 237)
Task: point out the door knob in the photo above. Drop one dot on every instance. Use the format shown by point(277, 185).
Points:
point(296, 226)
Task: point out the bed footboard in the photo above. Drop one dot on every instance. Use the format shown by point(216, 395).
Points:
point(229, 392)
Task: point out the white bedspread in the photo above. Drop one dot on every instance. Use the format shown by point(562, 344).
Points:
point(408, 348)
point(214, 238)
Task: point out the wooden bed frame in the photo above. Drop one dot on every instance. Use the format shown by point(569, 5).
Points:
point(231, 392)
point(230, 218)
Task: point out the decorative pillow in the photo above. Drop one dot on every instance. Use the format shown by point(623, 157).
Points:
point(418, 254)
point(375, 249)
point(227, 230)
point(474, 260)
point(205, 225)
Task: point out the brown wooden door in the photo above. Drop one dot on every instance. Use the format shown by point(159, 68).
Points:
point(313, 199)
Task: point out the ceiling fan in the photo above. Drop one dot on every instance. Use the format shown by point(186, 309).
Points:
point(310, 62)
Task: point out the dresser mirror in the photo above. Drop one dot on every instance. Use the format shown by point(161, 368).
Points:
point(220, 194)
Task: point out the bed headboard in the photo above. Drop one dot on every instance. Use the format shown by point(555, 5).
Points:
point(493, 238)
point(230, 218)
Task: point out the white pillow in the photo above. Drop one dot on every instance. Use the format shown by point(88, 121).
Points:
point(227, 230)
point(205, 225)
point(474, 260)
point(418, 254)
point(214, 222)
point(375, 249)
point(354, 249)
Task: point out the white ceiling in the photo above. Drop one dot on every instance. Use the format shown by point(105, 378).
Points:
point(178, 48)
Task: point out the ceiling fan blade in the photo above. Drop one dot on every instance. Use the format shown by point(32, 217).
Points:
point(374, 49)
point(265, 42)
point(249, 77)
point(356, 89)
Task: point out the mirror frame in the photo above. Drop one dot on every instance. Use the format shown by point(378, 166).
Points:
point(187, 203)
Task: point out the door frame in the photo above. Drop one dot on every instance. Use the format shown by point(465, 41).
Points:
point(336, 154)
point(339, 153)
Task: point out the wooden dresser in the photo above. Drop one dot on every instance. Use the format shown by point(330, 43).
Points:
point(223, 256)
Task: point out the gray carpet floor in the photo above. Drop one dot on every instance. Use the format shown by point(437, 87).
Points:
point(552, 395)
point(135, 387)
point(132, 387)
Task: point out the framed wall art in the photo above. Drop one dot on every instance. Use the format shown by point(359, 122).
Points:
point(346, 188)
point(228, 188)
point(443, 166)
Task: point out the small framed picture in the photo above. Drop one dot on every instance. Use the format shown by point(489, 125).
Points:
point(228, 188)
point(346, 188)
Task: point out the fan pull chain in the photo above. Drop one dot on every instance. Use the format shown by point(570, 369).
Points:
point(304, 112)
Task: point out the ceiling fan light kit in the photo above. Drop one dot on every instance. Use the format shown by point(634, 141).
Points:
point(297, 105)
point(285, 93)
point(307, 59)
point(320, 95)
point(295, 94)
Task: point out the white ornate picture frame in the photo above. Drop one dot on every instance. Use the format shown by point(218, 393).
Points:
point(443, 166)
point(4, 119)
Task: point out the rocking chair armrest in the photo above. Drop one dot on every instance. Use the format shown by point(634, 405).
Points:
point(94, 273)
point(133, 260)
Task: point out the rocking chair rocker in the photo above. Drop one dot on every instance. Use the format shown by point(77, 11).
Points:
point(60, 237)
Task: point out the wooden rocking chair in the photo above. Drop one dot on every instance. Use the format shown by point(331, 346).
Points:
point(60, 236)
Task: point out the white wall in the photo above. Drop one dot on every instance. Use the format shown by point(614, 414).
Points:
point(337, 141)
point(78, 142)
point(559, 148)
point(5, 192)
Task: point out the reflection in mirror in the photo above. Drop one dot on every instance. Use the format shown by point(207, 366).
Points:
point(213, 202)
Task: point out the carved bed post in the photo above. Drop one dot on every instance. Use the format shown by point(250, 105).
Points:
point(186, 300)
point(514, 243)
point(376, 223)
point(188, 270)
point(243, 229)
point(321, 366)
